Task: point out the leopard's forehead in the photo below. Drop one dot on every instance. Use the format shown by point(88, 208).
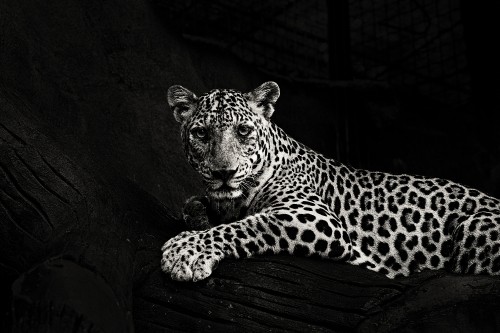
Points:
point(221, 106)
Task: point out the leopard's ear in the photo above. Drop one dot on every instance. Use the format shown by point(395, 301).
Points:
point(262, 98)
point(182, 102)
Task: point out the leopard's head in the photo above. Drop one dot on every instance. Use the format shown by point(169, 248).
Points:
point(225, 135)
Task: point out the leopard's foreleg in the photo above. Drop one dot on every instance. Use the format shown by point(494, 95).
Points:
point(310, 229)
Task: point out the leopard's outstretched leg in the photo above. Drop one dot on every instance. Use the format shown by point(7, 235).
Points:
point(310, 229)
point(476, 245)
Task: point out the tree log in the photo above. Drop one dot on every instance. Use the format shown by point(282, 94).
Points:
point(282, 293)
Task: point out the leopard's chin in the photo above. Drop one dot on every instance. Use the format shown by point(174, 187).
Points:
point(225, 193)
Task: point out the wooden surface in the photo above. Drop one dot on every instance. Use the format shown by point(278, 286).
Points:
point(303, 295)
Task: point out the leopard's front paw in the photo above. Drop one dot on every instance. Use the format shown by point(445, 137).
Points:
point(194, 213)
point(190, 257)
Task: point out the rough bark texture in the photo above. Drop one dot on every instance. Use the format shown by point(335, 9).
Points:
point(302, 295)
point(92, 175)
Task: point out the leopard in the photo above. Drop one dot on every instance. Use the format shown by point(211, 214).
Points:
point(266, 193)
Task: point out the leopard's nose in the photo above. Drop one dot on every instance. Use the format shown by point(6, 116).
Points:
point(223, 174)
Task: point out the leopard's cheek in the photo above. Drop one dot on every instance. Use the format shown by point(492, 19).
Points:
point(196, 154)
point(249, 157)
point(249, 148)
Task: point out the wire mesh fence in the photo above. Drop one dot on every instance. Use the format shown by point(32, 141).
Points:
point(414, 44)
point(417, 45)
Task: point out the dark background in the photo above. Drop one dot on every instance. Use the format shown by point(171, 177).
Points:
point(390, 85)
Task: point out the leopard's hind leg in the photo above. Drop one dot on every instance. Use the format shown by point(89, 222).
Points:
point(476, 245)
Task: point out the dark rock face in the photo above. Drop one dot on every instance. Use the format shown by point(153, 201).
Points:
point(92, 174)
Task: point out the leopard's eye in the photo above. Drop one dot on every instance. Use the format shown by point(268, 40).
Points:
point(244, 130)
point(200, 133)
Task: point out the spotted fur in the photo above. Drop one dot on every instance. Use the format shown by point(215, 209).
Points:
point(270, 194)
